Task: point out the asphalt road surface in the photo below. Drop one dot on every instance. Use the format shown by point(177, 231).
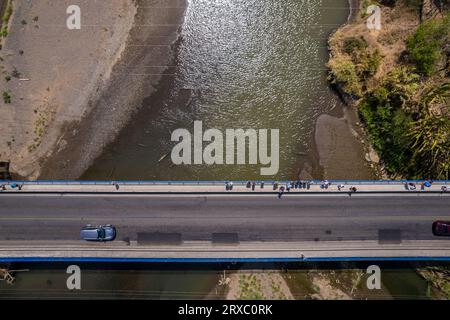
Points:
point(224, 218)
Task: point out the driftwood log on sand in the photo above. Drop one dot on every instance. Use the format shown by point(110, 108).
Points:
point(7, 275)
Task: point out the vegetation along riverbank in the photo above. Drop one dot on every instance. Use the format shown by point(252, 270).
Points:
point(398, 78)
point(5, 12)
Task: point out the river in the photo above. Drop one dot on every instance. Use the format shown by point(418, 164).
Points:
point(250, 65)
point(197, 281)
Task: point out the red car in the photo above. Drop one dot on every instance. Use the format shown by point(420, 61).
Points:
point(441, 228)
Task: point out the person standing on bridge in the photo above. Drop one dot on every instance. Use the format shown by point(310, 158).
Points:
point(229, 185)
point(281, 192)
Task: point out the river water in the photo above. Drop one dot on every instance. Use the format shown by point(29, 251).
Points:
point(114, 284)
point(167, 282)
point(239, 64)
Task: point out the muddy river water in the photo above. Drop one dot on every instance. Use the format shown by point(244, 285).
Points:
point(245, 65)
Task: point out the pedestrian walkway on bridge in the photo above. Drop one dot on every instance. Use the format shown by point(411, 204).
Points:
point(226, 187)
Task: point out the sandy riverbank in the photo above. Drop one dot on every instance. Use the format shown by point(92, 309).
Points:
point(338, 140)
point(55, 72)
point(83, 84)
point(258, 285)
point(149, 49)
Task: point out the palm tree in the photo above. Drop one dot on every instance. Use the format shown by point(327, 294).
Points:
point(431, 135)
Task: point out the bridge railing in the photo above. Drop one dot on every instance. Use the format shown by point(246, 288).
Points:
point(211, 182)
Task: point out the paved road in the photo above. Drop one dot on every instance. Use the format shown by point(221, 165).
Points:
point(250, 218)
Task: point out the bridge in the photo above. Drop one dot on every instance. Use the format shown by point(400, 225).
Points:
point(202, 221)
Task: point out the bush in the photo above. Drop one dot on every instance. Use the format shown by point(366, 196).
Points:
point(352, 44)
point(431, 145)
point(427, 45)
point(5, 19)
point(4, 32)
point(8, 12)
point(431, 134)
point(388, 127)
point(344, 72)
point(6, 97)
point(385, 112)
point(412, 142)
point(370, 62)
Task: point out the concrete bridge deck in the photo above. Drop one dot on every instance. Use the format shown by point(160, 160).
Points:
point(224, 227)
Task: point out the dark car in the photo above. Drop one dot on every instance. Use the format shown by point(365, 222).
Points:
point(98, 233)
point(441, 228)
